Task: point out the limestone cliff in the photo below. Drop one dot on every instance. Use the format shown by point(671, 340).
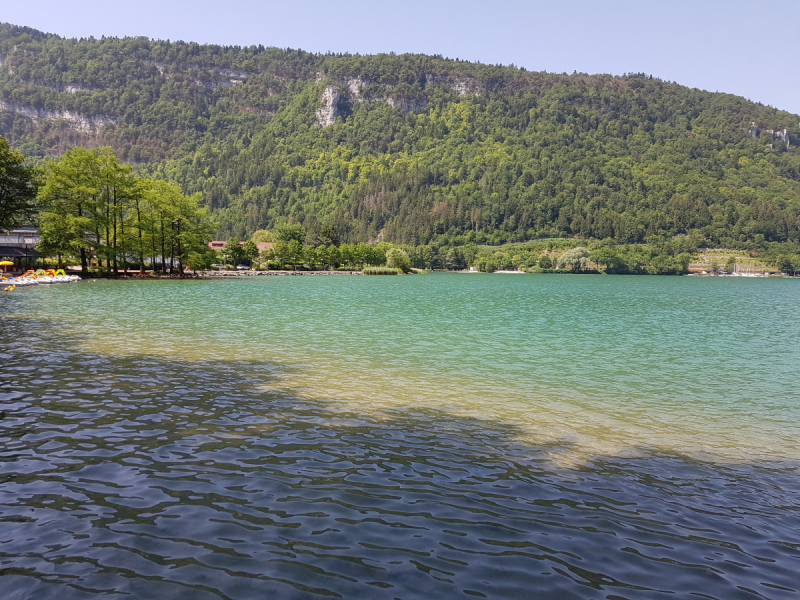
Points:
point(327, 113)
point(73, 120)
point(407, 104)
point(342, 93)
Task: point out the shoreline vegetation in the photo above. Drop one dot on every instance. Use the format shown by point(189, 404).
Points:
point(99, 214)
point(96, 213)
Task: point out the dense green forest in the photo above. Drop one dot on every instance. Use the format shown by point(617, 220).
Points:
point(411, 149)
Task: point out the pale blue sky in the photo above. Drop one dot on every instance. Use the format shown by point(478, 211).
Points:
point(747, 48)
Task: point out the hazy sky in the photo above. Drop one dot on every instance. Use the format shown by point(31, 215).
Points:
point(745, 48)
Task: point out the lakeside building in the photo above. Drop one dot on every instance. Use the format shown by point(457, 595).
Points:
point(19, 246)
point(219, 245)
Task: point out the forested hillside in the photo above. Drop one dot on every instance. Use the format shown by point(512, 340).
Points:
point(410, 148)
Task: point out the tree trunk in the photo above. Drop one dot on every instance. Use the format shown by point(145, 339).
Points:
point(84, 266)
point(116, 265)
point(108, 232)
point(180, 251)
point(141, 248)
point(97, 251)
point(163, 246)
point(122, 245)
point(172, 252)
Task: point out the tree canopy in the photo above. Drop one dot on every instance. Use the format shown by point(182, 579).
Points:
point(95, 208)
point(17, 188)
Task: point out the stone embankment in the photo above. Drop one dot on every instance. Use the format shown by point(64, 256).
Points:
point(271, 273)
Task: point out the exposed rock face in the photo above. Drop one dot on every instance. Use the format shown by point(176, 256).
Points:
point(354, 86)
point(407, 104)
point(776, 134)
point(74, 120)
point(234, 73)
point(461, 86)
point(70, 88)
point(327, 113)
point(212, 85)
point(339, 96)
point(781, 134)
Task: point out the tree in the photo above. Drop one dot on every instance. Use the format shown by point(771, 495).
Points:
point(730, 266)
point(323, 256)
point(294, 253)
point(234, 251)
point(607, 257)
point(334, 256)
point(60, 233)
point(423, 257)
point(489, 264)
point(576, 259)
point(92, 204)
point(785, 265)
point(279, 252)
point(290, 232)
point(268, 254)
point(502, 260)
point(470, 254)
point(70, 198)
point(329, 236)
point(454, 259)
point(346, 254)
point(545, 261)
point(376, 256)
point(398, 259)
point(682, 261)
point(309, 256)
point(250, 251)
point(17, 188)
point(262, 235)
point(192, 232)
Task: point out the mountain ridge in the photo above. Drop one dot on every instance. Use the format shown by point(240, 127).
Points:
point(410, 148)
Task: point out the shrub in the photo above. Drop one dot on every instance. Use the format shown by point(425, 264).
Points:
point(381, 271)
point(398, 259)
point(576, 259)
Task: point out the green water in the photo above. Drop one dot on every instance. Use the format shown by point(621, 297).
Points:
point(441, 435)
point(611, 364)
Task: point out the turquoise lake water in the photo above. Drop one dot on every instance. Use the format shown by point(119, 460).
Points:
point(441, 435)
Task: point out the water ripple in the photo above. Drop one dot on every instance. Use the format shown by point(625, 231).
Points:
point(147, 478)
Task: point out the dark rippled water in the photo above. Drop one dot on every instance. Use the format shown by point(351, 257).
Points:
point(139, 476)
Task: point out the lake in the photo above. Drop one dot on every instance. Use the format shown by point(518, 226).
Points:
point(430, 436)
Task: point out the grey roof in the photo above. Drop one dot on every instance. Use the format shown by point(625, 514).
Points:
point(16, 252)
